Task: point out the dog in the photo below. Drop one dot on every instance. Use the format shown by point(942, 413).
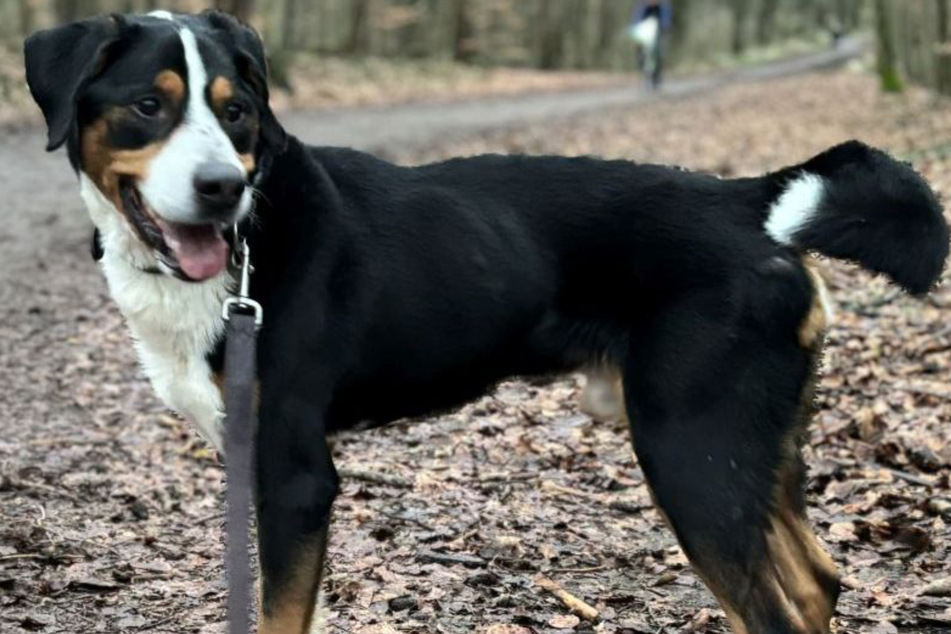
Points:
point(392, 292)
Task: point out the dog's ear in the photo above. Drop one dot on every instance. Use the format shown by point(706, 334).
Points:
point(60, 62)
point(251, 63)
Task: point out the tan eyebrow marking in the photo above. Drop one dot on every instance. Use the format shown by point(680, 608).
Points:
point(171, 85)
point(222, 91)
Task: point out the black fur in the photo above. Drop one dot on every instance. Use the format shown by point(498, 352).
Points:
point(59, 64)
point(394, 292)
point(879, 213)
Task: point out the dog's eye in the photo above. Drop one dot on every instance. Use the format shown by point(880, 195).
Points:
point(150, 107)
point(234, 113)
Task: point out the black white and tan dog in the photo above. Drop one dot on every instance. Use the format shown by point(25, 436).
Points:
point(394, 292)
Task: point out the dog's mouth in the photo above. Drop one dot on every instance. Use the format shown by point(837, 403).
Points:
point(192, 252)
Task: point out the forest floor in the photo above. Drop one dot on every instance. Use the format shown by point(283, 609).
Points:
point(110, 508)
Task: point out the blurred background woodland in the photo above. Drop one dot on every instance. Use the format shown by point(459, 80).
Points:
point(575, 35)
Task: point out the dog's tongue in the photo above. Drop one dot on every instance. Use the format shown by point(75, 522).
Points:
point(201, 250)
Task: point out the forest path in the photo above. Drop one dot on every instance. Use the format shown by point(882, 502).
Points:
point(416, 126)
point(42, 212)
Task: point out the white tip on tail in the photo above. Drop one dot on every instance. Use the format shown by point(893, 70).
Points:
point(795, 208)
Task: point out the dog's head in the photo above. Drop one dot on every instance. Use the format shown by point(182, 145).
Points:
point(166, 119)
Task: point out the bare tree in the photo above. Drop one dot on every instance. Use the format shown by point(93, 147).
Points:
point(358, 42)
point(944, 12)
point(741, 10)
point(464, 48)
point(66, 10)
point(766, 20)
point(241, 9)
point(27, 17)
point(887, 55)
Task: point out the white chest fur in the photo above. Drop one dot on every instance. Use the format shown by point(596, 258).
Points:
point(175, 324)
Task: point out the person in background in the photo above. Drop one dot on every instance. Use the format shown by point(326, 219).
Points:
point(649, 22)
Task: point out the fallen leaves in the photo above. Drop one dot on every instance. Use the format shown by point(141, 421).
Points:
point(442, 525)
point(939, 588)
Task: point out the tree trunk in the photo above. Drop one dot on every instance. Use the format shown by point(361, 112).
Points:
point(358, 41)
point(27, 17)
point(66, 11)
point(887, 52)
point(549, 39)
point(241, 9)
point(943, 69)
point(944, 12)
point(464, 48)
point(740, 12)
point(289, 19)
point(766, 21)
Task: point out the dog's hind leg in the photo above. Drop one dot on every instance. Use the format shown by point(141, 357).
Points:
point(297, 484)
point(717, 402)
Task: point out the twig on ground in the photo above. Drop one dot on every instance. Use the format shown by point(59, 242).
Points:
point(159, 623)
point(944, 395)
point(572, 602)
point(470, 561)
point(578, 571)
point(16, 556)
point(924, 481)
point(913, 479)
point(374, 477)
point(217, 515)
point(611, 502)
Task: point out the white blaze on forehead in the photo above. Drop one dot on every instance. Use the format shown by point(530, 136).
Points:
point(198, 139)
point(197, 80)
point(162, 15)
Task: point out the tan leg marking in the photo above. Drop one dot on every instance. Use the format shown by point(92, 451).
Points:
point(796, 575)
point(294, 606)
point(798, 561)
point(803, 571)
point(813, 327)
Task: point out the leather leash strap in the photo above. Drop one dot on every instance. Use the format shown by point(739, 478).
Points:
point(240, 373)
point(244, 317)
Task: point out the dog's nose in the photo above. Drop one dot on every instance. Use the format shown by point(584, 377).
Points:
point(219, 186)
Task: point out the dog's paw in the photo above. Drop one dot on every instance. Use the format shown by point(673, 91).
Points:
point(213, 432)
point(319, 623)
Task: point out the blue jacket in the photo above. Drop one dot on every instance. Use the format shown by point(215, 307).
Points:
point(666, 11)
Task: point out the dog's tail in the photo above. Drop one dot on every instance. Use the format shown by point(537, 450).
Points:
point(857, 203)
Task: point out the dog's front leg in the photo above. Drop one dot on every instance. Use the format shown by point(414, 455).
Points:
point(297, 484)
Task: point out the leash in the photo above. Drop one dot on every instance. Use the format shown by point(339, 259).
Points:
point(244, 317)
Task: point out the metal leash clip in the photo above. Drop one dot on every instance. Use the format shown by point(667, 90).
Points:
point(242, 301)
